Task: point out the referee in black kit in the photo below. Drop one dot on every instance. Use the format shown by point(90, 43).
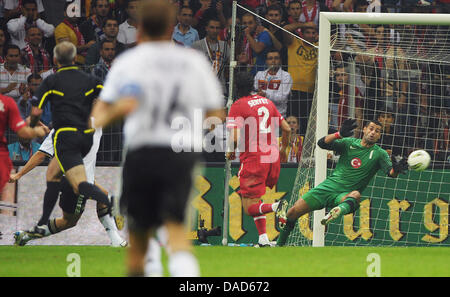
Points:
point(158, 87)
point(71, 93)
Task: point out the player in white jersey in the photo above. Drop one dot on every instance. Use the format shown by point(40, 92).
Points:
point(163, 91)
point(47, 149)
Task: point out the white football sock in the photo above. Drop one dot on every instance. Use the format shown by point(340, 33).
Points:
point(111, 229)
point(183, 264)
point(153, 266)
point(47, 230)
point(162, 235)
point(275, 206)
point(263, 238)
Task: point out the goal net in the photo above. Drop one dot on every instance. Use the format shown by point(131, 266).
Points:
point(394, 68)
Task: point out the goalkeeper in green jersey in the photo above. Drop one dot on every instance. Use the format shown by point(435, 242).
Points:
point(359, 161)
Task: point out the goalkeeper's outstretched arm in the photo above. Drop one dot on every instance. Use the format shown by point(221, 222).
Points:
point(326, 142)
point(398, 167)
point(346, 130)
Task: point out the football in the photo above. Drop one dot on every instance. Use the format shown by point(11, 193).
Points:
point(419, 160)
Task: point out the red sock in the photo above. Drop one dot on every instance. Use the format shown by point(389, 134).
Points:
point(259, 209)
point(260, 223)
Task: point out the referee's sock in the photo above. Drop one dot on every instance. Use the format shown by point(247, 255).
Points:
point(50, 198)
point(91, 190)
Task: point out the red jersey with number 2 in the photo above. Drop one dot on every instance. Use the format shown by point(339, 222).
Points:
point(258, 120)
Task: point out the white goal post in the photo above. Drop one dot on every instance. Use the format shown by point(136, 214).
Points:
point(322, 85)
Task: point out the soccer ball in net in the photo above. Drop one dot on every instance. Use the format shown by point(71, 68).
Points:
point(419, 160)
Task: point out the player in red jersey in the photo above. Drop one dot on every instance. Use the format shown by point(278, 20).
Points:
point(10, 117)
point(254, 123)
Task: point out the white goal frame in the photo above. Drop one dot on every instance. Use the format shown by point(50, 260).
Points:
point(322, 86)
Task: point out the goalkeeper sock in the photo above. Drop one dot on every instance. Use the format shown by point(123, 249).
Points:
point(89, 190)
point(349, 205)
point(284, 233)
point(50, 198)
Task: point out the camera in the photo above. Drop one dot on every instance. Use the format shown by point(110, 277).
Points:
point(203, 233)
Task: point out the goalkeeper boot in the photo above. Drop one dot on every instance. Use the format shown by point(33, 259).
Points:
point(331, 216)
point(281, 213)
point(284, 233)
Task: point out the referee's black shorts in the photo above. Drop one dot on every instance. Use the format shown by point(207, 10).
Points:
point(71, 146)
point(156, 186)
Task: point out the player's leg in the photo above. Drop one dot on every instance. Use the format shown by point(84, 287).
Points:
point(314, 199)
point(105, 217)
point(72, 206)
point(258, 210)
point(77, 179)
point(345, 204)
point(287, 219)
point(181, 260)
point(253, 177)
point(178, 182)
point(70, 148)
point(137, 251)
point(153, 264)
point(140, 201)
point(53, 226)
point(53, 178)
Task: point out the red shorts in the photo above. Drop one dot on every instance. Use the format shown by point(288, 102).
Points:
point(255, 176)
point(5, 169)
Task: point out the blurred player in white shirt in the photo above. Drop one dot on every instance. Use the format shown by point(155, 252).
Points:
point(161, 90)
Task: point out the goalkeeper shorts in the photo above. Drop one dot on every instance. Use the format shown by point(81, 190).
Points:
point(321, 197)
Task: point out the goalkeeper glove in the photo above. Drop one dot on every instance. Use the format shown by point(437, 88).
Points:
point(400, 166)
point(347, 128)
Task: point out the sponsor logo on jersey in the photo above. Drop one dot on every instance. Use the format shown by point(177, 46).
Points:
point(356, 162)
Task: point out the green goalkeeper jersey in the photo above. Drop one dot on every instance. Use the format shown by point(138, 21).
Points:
point(357, 164)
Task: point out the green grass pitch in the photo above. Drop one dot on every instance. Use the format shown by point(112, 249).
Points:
point(218, 261)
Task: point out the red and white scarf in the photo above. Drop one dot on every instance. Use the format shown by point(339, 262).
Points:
point(45, 59)
point(310, 17)
point(77, 32)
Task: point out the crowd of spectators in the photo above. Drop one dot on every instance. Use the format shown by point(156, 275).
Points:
point(284, 66)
